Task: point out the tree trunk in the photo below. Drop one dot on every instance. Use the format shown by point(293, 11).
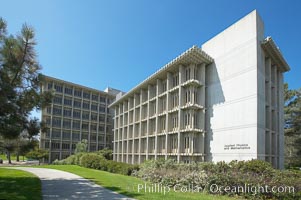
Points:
point(8, 157)
point(17, 157)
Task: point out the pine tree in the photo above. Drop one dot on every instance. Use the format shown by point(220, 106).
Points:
point(292, 126)
point(19, 82)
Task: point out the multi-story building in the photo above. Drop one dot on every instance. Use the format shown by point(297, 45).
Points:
point(76, 113)
point(220, 102)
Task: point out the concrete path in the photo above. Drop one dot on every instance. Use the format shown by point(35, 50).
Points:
point(58, 184)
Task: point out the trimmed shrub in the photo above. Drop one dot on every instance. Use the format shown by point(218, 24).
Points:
point(120, 168)
point(91, 160)
point(253, 173)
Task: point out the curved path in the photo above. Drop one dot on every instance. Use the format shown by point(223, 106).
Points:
point(58, 184)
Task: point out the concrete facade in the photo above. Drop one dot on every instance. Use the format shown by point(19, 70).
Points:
point(220, 102)
point(76, 113)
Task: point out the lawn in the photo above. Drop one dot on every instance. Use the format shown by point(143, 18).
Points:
point(128, 185)
point(19, 185)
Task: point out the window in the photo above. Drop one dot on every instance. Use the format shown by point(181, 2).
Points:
point(66, 135)
point(94, 97)
point(187, 73)
point(58, 88)
point(102, 108)
point(86, 95)
point(76, 125)
point(187, 96)
point(175, 122)
point(48, 110)
point(195, 96)
point(94, 107)
point(55, 145)
point(85, 136)
point(163, 124)
point(175, 100)
point(94, 127)
point(78, 93)
point(57, 111)
point(175, 80)
point(163, 104)
point(101, 128)
point(187, 119)
point(68, 90)
point(75, 136)
point(186, 142)
point(77, 104)
point(101, 118)
point(68, 102)
point(56, 122)
point(49, 86)
point(56, 134)
point(94, 117)
point(174, 142)
point(65, 146)
point(164, 86)
point(86, 115)
point(67, 112)
point(76, 114)
point(57, 100)
point(195, 120)
point(67, 123)
point(86, 105)
point(85, 126)
point(93, 137)
point(48, 120)
point(195, 73)
point(102, 99)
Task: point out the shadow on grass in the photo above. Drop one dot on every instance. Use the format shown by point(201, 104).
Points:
point(17, 188)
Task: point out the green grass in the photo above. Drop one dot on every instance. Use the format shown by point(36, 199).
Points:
point(128, 185)
point(19, 185)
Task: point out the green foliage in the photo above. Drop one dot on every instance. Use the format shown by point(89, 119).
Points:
point(91, 160)
point(107, 153)
point(98, 161)
point(119, 167)
point(81, 147)
point(292, 127)
point(37, 154)
point(19, 82)
point(233, 174)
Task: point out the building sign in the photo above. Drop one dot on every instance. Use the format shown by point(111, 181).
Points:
point(236, 146)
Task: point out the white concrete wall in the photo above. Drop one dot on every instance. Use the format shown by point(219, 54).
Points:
point(232, 93)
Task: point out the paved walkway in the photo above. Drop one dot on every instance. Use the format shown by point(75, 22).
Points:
point(58, 184)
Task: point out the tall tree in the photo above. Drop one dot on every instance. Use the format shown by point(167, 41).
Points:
point(292, 127)
point(19, 81)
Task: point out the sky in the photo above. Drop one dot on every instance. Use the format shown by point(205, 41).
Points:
point(119, 43)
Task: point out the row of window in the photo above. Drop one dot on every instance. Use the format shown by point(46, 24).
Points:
point(191, 96)
point(77, 92)
point(76, 114)
point(56, 122)
point(56, 134)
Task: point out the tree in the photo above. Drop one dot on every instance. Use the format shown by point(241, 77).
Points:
point(292, 127)
point(27, 139)
point(37, 154)
point(19, 82)
point(81, 147)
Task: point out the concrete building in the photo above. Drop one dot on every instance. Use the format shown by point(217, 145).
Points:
point(76, 113)
point(220, 102)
